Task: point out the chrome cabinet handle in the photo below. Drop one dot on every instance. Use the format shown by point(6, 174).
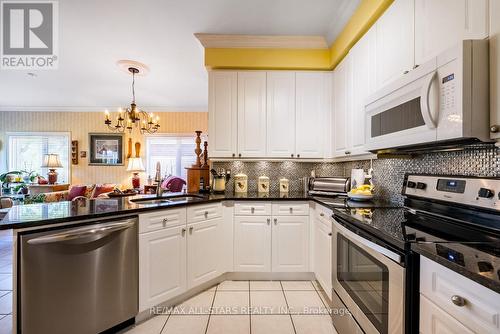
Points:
point(406, 72)
point(298, 155)
point(165, 220)
point(322, 214)
point(415, 66)
point(292, 155)
point(183, 232)
point(252, 209)
point(275, 221)
point(347, 152)
point(206, 213)
point(191, 228)
point(457, 300)
point(234, 155)
point(330, 234)
point(494, 128)
point(268, 221)
point(239, 155)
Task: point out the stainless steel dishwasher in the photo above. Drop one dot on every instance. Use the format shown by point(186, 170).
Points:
point(78, 279)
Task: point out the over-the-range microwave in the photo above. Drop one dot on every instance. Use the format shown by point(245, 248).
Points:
point(441, 103)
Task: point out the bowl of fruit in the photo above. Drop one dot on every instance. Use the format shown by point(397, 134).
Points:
point(361, 193)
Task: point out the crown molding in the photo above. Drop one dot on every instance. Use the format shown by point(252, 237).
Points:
point(216, 41)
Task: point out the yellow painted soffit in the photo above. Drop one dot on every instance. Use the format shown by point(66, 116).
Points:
point(360, 22)
point(300, 59)
point(269, 59)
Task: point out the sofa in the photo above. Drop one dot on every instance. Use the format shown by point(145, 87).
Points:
point(89, 191)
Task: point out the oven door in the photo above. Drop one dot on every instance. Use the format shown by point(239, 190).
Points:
point(405, 112)
point(370, 281)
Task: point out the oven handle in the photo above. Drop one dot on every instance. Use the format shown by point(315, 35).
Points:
point(373, 246)
point(425, 103)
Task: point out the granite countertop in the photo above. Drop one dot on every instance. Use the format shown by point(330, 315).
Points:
point(35, 215)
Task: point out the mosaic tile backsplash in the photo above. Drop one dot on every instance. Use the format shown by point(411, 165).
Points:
point(387, 173)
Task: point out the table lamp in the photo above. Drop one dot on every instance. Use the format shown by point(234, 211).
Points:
point(135, 166)
point(51, 161)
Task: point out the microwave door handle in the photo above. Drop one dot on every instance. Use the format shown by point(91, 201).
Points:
point(425, 103)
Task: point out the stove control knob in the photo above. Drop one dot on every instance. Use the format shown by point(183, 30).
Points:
point(484, 267)
point(421, 185)
point(485, 193)
point(411, 184)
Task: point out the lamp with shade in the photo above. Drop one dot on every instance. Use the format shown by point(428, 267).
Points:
point(52, 161)
point(135, 166)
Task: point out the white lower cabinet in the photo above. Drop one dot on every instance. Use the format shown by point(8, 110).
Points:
point(162, 266)
point(252, 243)
point(434, 320)
point(469, 307)
point(290, 244)
point(323, 252)
point(204, 251)
point(278, 243)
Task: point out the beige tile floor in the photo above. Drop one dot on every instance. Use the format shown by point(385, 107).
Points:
point(5, 282)
point(246, 307)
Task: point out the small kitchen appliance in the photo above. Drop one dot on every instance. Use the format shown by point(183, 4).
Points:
point(329, 186)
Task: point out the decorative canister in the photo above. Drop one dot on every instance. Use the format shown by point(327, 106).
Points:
point(240, 183)
point(263, 185)
point(284, 185)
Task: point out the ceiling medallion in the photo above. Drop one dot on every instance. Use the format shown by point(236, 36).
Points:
point(133, 117)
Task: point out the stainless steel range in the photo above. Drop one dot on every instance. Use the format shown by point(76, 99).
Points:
point(452, 220)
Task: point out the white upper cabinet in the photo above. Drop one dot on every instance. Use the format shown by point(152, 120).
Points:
point(439, 24)
point(251, 114)
point(342, 86)
point(313, 105)
point(495, 67)
point(222, 113)
point(281, 114)
point(395, 41)
point(363, 64)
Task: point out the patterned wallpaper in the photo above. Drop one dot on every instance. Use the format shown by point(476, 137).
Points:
point(387, 173)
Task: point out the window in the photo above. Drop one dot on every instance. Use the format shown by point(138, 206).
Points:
point(27, 149)
point(173, 152)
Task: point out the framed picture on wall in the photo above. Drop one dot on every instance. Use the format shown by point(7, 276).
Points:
point(106, 149)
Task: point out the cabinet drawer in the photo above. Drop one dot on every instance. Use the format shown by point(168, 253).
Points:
point(323, 213)
point(290, 209)
point(158, 220)
point(203, 212)
point(435, 320)
point(481, 311)
point(252, 209)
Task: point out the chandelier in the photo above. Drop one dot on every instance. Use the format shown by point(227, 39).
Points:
point(133, 117)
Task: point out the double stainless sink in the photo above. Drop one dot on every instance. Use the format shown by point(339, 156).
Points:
point(172, 199)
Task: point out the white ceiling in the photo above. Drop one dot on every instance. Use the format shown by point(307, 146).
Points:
point(94, 34)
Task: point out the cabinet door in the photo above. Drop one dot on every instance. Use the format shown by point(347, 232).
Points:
point(252, 243)
point(290, 244)
point(323, 254)
point(280, 114)
point(203, 251)
point(162, 266)
point(363, 74)
point(495, 67)
point(252, 114)
point(222, 113)
point(440, 24)
point(395, 41)
point(342, 84)
point(312, 110)
point(434, 320)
